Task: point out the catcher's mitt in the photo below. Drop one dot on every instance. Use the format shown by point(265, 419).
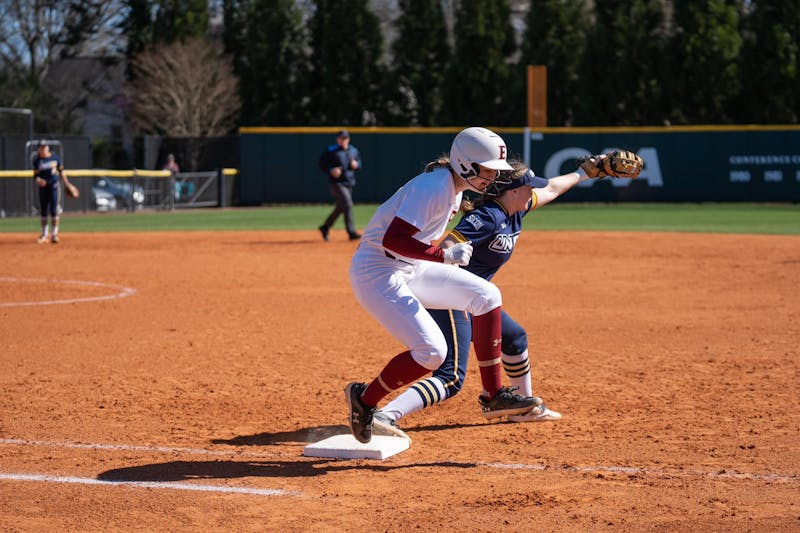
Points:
point(72, 191)
point(616, 164)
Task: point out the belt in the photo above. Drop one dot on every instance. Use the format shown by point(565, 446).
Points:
point(390, 256)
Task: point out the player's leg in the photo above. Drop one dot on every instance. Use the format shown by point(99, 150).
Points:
point(54, 199)
point(347, 209)
point(44, 208)
point(444, 287)
point(515, 355)
point(340, 203)
point(453, 371)
point(381, 291)
point(518, 368)
point(446, 380)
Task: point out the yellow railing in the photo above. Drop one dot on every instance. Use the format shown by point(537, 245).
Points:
point(100, 172)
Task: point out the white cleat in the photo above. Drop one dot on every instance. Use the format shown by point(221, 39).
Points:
point(540, 413)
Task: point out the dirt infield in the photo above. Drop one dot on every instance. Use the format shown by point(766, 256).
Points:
point(198, 365)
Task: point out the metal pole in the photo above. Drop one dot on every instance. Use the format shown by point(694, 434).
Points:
point(24, 111)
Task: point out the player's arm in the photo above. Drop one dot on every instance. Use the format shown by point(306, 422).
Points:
point(556, 187)
point(449, 240)
point(71, 190)
point(63, 174)
point(39, 181)
point(399, 239)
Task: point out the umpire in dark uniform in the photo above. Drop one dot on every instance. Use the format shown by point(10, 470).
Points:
point(340, 162)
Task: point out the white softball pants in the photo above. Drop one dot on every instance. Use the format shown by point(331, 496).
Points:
point(396, 294)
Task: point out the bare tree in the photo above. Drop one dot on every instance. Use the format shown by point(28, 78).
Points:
point(36, 35)
point(184, 89)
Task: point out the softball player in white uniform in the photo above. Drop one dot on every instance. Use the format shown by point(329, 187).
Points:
point(396, 273)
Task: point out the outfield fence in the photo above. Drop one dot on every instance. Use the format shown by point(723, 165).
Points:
point(104, 190)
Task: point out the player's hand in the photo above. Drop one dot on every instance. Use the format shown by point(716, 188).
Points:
point(40, 182)
point(336, 172)
point(458, 254)
point(354, 164)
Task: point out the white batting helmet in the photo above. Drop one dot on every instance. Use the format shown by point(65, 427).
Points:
point(477, 146)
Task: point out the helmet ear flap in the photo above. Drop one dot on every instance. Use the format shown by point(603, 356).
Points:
point(463, 171)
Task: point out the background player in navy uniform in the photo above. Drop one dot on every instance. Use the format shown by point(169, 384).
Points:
point(48, 172)
point(493, 228)
point(340, 162)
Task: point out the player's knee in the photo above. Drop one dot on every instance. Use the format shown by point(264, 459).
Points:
point(430, 356)
point(455, 387)
point(515, 344)
point(486, 299)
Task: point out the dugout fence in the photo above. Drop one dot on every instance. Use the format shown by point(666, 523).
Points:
point(104, 190)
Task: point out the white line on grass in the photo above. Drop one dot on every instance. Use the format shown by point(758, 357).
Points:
point(123, 291)
point(146, 484)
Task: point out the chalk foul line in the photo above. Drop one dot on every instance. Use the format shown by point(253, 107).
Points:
point(123, 292)
point(146, 484)
point(136, 448)
point(722, 474)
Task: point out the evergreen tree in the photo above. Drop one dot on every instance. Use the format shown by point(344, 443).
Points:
point(138, 26)
point(478, 83)
point(554, 39)
point(163, 21)
point(178, 20)
point(421, 55)
point(621, 77)
point(770, 67)
point(705, 51)
point(234, 21)
point(347, 75)
point(274, 65)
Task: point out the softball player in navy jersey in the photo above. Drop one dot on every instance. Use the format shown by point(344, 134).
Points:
point(396, 273)
point(493, 229)
point(47, 172)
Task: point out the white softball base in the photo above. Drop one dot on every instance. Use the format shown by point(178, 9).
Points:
point(347, 447)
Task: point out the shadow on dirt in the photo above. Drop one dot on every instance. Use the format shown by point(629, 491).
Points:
point(187, 470)
point(315, 434)
point(300, 436)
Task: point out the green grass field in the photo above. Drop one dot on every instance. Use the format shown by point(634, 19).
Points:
point(778, 219)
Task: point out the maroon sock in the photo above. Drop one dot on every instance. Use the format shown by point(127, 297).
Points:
point(400, 370)
point(486, 337)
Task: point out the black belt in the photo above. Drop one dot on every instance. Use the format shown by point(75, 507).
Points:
point(390, 256)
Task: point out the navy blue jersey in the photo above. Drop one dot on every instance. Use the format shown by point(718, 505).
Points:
point(336, 156)
point(47, 168)
point(493, 233)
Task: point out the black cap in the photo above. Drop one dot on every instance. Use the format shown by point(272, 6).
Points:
point(343, 133)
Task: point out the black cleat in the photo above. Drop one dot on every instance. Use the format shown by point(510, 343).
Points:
point(505, 402)
point(360, 420)
point(354, 236)
point(324, 230)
